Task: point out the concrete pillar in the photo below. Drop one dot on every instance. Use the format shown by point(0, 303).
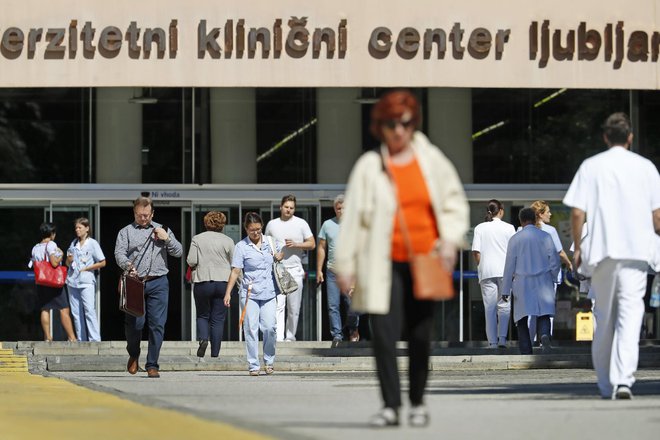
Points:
point(233, 119)
point(338, 133)
point(118, 136)
point(450, 127)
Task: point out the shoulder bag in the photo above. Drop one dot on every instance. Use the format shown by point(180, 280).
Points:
point(431, 280)
point(131, 289)
point(47, 275)
point(286, 284)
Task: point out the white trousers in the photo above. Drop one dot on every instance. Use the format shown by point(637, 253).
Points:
point(496, 310)
point(619, 287)
point(291, 303)
point(260, 315)
point(83, 309)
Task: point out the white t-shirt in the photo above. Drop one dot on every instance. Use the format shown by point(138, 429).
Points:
point(618, 190)
point(295, 229)
point(491, 240)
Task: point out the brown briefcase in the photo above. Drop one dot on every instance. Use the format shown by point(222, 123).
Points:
point(131, 295)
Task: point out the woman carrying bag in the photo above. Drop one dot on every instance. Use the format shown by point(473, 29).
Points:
point(51, 298)
point(402, 201)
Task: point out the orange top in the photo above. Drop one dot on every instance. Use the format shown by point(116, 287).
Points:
point(417, 211)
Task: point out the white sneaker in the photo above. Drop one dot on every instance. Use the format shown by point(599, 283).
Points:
point(622, 392)
point(384, 418)
point(418, 417)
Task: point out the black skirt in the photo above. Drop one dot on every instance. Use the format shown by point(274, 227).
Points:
point(52, 298)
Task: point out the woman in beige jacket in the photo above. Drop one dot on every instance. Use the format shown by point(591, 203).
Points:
point(371, 256)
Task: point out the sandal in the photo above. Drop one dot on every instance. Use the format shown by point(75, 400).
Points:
point(254, 372)
point(384, 418)
point(269, 369)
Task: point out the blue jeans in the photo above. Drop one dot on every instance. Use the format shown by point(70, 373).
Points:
point(260, 315)
point(524, 341)
point(211, 312)
point(334, 308)
point(156, 297)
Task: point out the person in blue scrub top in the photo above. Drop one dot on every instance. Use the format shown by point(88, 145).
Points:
point(253, 257)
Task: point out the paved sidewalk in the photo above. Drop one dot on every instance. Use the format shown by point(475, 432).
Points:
point(525, 404)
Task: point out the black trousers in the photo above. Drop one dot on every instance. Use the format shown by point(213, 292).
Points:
point(386, 331)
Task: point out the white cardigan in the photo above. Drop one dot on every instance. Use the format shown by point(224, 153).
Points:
point(365, 237)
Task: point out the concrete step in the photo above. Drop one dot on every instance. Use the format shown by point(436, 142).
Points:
point(306, 356)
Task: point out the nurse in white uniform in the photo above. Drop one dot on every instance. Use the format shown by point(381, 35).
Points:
point(489, 250)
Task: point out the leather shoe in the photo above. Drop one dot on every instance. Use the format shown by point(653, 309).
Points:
point(153, 373)
point(132, 365)
point(201, 351)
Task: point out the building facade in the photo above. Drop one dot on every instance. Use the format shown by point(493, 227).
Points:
point(230, 105)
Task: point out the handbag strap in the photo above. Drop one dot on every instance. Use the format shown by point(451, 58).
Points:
point(399, 210)
point(142, 248)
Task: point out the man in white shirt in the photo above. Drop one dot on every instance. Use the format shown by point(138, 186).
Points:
point(296, 237)
point(489, 250)
point(618, 192)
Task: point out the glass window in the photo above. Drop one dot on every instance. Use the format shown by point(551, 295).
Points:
point(647, 141)
point(286, 135)
point(538, 135)
point(44, 135)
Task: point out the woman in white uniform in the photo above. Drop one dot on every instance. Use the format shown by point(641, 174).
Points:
point(491, 239)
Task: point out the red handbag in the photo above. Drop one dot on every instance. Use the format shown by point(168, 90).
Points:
point(47, 275)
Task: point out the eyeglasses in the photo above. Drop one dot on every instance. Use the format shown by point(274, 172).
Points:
point(392, 124)
point(254, 231)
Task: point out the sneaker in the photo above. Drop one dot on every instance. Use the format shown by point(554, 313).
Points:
point(384, 418)
point(545, 344)
point(201, 351)
point(418, 416)
point(254, 372)
point(622, 392)
point(354, 336)
point(336, 342)
point(501, 342)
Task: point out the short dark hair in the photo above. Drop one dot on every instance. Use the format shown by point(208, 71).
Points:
point(143, 201)
point(288, 198)
point(252, 218)
point(617, 128)
point(527, 215)
point(47, 229)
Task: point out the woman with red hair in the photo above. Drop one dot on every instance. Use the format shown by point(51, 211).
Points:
point(409, 174)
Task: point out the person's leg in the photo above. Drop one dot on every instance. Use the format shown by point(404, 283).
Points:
point(524, 341)
point(202, 293)
point(631, 280)
point(419, 321)
point(67, 325)
point(281, 312)
point(44, 318)
point(489, 296)
point(133, 330)
point(503, 314)
point(352, 320)
point(88, 298)
point(605, 311)
point(334, 301)
point(544, 326)
point(76, 309)
point(217, 316)
point(251, 331)
point(156, 294)
point(386, 331)
point(531, 325)
point(293, 303)
point(267, 323)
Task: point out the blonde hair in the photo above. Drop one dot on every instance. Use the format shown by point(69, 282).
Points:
point(540, 207)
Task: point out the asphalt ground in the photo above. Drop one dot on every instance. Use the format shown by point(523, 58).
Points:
point(507, 404)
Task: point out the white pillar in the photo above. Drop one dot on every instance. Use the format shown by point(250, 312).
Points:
point(450, 127)
point(233, 119)
point(338, 133)
point(118, 136)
